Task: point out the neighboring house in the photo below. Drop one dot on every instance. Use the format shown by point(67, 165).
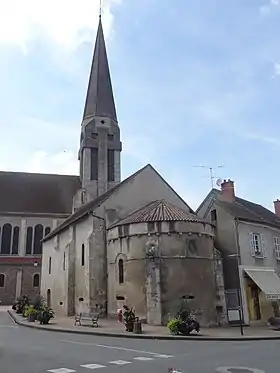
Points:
point(136, 241)
point(248, 236)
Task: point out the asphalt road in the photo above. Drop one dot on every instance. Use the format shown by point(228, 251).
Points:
point(24, 350)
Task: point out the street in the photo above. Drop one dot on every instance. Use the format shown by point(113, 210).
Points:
point(24, 350)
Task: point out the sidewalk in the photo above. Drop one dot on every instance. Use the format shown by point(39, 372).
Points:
point(111, 328)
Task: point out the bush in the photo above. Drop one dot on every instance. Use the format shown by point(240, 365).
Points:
point(21, 304)
point(174, 326)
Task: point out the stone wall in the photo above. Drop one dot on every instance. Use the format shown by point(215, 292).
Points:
point(185, 265)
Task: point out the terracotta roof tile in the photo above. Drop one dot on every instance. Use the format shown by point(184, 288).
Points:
point(159, 210)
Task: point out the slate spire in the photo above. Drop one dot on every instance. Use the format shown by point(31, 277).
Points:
point(100, 97)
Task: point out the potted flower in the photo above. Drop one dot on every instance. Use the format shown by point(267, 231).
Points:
point(45, 314)
point(31, 314)
point(128, 318)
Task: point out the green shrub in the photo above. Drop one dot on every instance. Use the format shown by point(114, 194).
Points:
point(174, 326)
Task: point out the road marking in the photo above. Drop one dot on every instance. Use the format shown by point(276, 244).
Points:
point(142, 358)
point(114, 348)
point(62, 370)
point(163, 356)
point(120, 362)
point(93, 366)
point(229, 369)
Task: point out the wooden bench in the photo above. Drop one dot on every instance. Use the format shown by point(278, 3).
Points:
point(93, 317)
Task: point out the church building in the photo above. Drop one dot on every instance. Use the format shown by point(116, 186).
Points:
point(107, 242)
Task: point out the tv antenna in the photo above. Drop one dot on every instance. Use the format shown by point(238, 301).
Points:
point(211, 171)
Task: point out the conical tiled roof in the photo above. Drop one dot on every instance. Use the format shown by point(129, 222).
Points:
point(100, 98)
point(156, 211)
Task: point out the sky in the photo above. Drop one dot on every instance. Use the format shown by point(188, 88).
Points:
point(196, 83)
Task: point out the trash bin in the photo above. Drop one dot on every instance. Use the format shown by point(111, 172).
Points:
point(137, 327)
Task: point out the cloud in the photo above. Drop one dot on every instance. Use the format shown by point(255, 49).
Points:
point(266, 10)
point(63, 163)
point(66, 22)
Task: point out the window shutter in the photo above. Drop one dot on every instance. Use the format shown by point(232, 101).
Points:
point(252, 248)
point(264, 251)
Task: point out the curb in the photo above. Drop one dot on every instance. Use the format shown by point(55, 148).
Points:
point(143, 336)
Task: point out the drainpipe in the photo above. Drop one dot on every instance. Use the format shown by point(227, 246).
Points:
point(105, 247)
point(239, 293)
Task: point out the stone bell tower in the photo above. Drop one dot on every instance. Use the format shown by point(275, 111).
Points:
point(100, 145)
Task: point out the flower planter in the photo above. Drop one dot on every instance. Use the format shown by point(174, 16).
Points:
point(32, 317)
point(129, 326)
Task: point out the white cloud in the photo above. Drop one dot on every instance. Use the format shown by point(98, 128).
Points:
point(66, 22)
point(277, 69)
point(267, 9)
point(63, 163)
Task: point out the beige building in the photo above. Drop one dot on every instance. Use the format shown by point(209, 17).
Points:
point(135, 242)
point(248, 236)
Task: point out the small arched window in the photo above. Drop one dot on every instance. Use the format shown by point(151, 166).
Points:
point(121, 272)
point(47, 230)
point(29, 240)
point(38, 236)
point(6, 239)
point(15, 241)
point(36, 280)
point(2, 280)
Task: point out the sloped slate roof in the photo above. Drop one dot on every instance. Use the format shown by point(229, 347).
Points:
point(250, 211)
point(247, 210)
point(22, 192)
point(157, 211)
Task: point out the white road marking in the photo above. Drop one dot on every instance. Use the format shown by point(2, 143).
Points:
point(120, 362)
point(142, 358)
point(163, 356)
point(62, 370)
point(113, 347)
point(229, 369)
point(93, 366)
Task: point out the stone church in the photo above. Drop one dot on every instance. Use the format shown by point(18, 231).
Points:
point(105, 241)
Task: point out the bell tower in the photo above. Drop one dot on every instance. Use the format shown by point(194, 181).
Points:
point(100, 145)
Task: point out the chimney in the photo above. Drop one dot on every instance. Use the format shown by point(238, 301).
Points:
point(277, 207)
point(227, 188)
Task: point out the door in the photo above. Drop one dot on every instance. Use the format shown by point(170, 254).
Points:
point(256, 301)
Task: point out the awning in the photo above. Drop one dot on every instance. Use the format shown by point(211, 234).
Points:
point(267, 280)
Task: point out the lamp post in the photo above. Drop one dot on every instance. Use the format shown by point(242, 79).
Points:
point(239, 300)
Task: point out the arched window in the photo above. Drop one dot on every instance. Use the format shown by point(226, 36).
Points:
point(6, 239)
point(36, 280)
point(2, 280)
point(121, 274)
point(29, 239)
point(38, 236)
point(15, 241)
point(83, 255)
point(47, 230)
